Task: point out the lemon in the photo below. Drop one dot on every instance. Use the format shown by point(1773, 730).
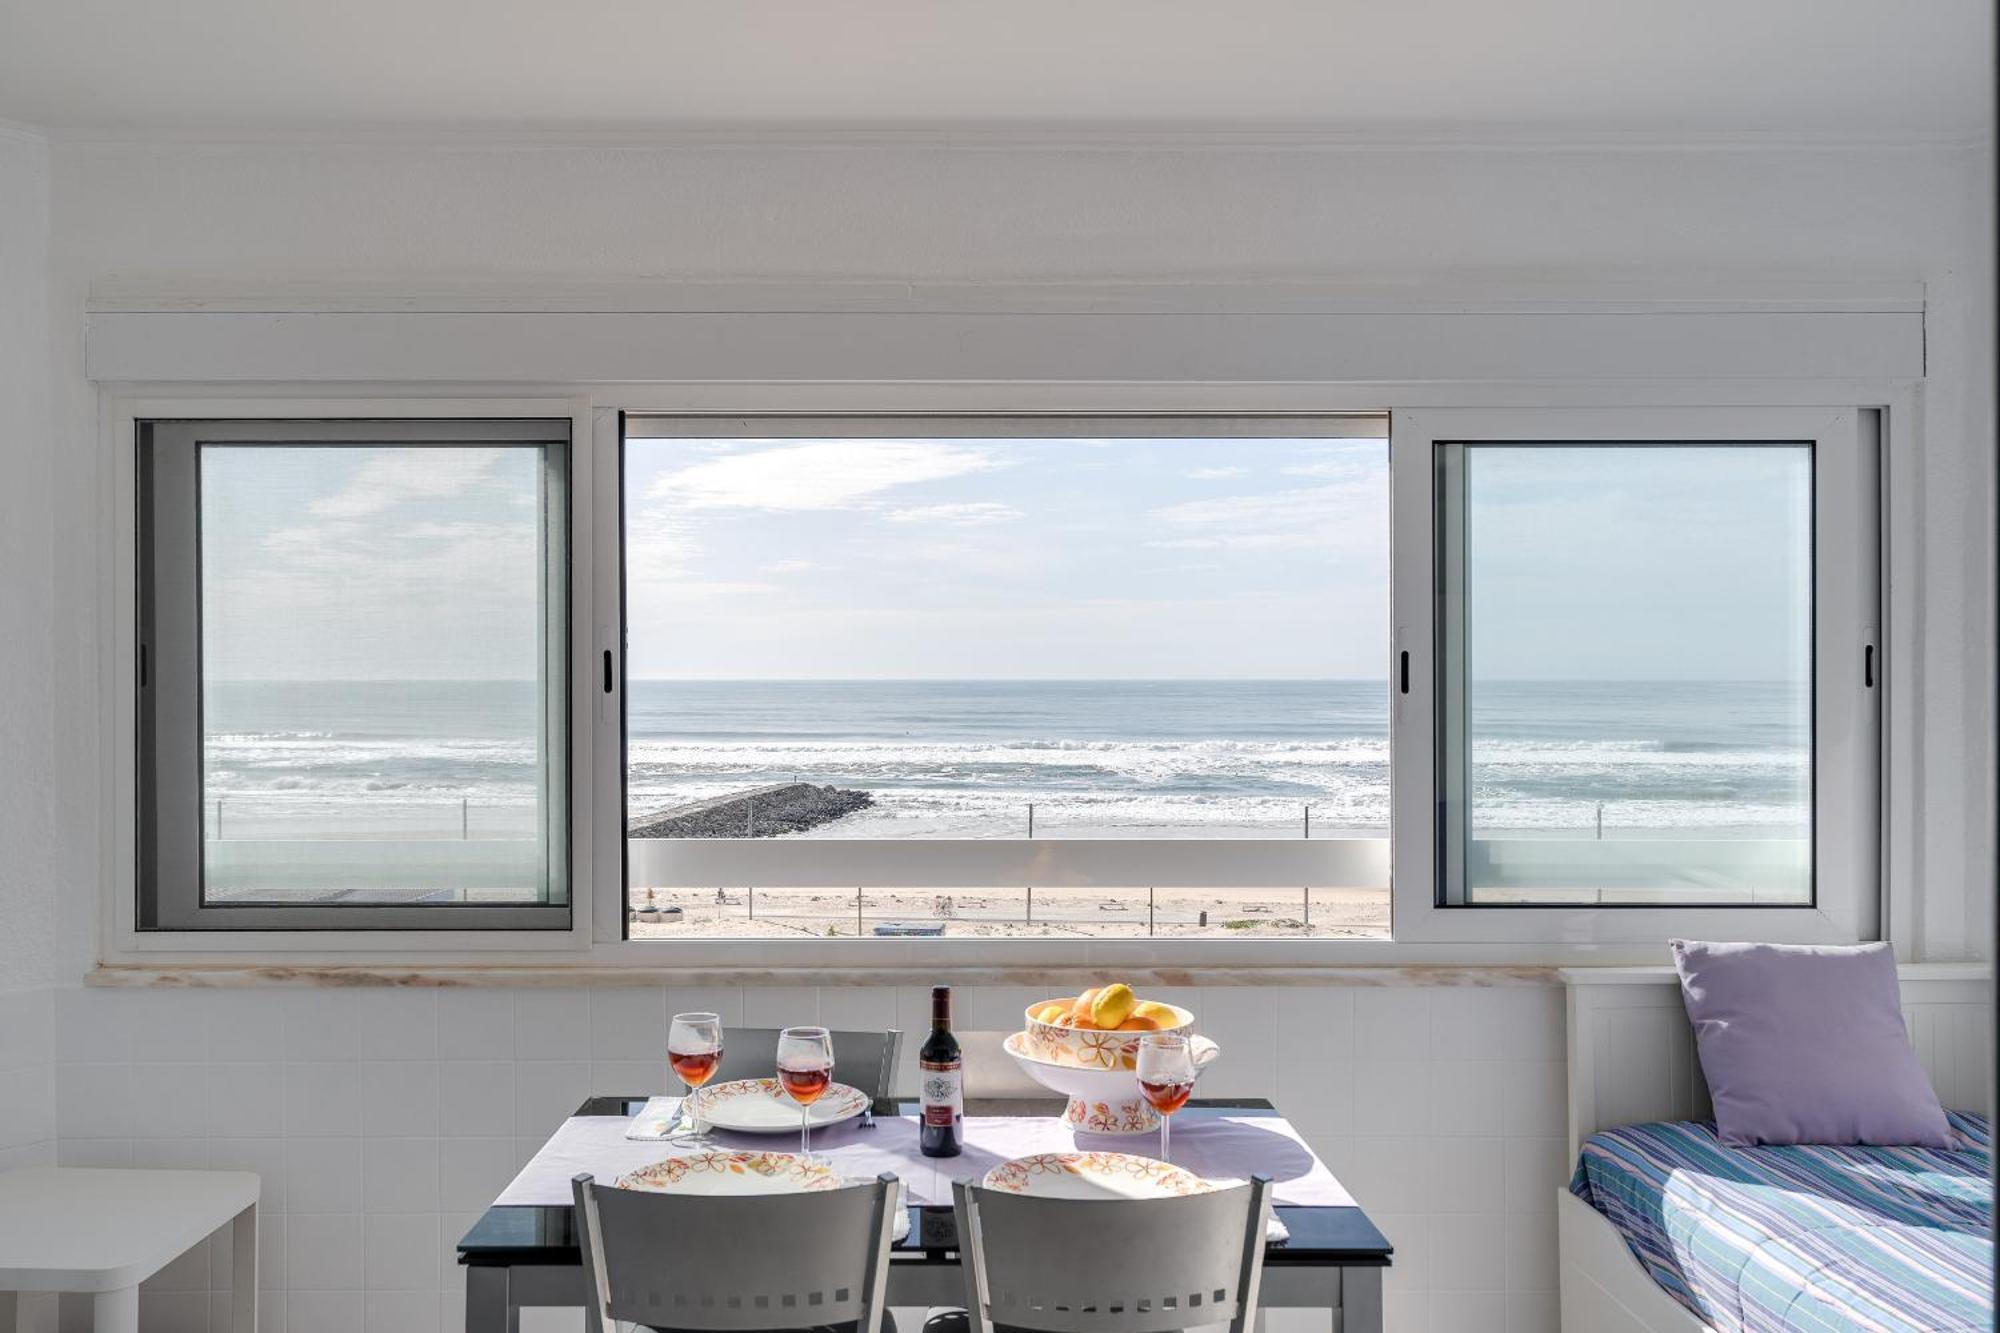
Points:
point(1163, 1015)
point(1113, 1005)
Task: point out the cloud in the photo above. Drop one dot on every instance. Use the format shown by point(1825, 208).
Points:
point(817, 474)
point(1346, 515)
point(390, 477)
point(1214, 473)
point(789, 566)
point(1346, 469)
point(976, 514)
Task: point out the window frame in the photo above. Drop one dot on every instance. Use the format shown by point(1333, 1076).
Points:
point(1850, 808)
point(171, 863)
point(595, 943)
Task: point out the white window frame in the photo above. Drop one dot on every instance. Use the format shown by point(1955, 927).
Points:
point(121, 938)
point(1847, 760)
point(595, 941)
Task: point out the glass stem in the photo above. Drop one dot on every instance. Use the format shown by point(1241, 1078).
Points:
point(1165, 1120)
point(805, 1131)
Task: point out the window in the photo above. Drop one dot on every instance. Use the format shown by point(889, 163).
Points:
point(1007, 676)
point(1584, 676)
point(1625, 683)
point(1653, 670)
point(353, 694)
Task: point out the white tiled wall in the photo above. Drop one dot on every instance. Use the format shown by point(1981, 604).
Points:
point(27, 1090)
point(383, 1121)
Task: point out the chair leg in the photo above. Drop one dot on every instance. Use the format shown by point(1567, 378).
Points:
point(115, 1311)
point(243, 1272)
point(10, 1312)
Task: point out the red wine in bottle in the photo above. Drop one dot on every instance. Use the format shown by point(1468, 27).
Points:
point(943, 1130)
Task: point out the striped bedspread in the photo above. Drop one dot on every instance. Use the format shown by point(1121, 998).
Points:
point(1803, 1239)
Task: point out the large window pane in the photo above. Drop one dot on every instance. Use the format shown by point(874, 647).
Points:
point(1625, 674)
point(985, 637)
point(376, 678)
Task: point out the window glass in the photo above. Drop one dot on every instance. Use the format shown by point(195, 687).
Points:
point(372, 695)
point(898, 639)
point(1625, 674)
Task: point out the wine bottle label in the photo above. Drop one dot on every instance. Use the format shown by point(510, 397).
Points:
point(943, 1092)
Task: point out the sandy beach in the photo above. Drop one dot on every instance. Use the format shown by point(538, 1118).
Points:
point(1004, 913)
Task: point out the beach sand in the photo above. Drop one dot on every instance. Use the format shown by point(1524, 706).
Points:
point(1004, 913)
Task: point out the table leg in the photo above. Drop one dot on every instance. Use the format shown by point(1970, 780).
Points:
point(1360, 1300)
point(243, 1272)
point(10, 1312)
point(489, 1303)
point(115, 1311)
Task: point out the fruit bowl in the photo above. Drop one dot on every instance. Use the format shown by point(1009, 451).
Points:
point(1103, 1101)
point(1088, 1048)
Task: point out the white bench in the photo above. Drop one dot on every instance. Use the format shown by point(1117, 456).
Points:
point(103, 1232)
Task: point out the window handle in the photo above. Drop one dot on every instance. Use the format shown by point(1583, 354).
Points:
point(1404, 671)
point(607, 671)
point(1868, 667)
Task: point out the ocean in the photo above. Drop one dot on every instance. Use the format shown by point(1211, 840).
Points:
point(1213, 758)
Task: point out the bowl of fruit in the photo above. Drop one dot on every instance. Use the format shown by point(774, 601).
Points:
point(1099, 1029)
point(1102, 1100)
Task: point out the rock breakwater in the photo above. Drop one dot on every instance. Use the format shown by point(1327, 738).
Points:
point(766, 812)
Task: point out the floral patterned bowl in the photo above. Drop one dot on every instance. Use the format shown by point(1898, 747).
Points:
point(1085, 1047)
point(1102, 1101)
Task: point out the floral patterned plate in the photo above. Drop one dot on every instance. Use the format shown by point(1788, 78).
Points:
point(760, 1106)
point(1094, 1175)
point(733, 1173)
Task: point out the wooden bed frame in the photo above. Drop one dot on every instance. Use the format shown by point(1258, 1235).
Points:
point(1632, 1059)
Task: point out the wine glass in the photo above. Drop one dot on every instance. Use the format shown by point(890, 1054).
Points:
point(694, 1049)
point(805, 1071)
point(1166, 1076)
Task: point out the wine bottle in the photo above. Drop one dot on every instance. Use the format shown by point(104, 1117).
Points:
point(943, 1072)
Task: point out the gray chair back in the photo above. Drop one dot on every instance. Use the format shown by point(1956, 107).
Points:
point(864, 1060)
point(1114, 1265)
point(730, 1263)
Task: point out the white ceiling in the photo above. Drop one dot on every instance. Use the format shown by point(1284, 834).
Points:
point(1450, 68)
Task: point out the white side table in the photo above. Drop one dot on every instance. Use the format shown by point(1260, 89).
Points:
point(104, 1232)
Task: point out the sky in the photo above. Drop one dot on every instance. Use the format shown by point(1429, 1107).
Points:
point(339, 563)
point(1005, 559)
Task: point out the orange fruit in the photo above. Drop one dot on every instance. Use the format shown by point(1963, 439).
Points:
point(1138, 1023)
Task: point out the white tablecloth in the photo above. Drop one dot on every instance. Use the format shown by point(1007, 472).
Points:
point(1225, 1149)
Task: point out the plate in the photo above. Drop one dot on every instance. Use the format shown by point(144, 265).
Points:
point(1094, 1175)
point(760, 1106)
point(733, 1173)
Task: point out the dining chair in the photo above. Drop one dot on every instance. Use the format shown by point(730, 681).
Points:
point(864, 1060)
point(1112, 1265)
point(735, 1263)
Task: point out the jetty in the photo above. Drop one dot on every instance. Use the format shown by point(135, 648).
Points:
point(764, 812)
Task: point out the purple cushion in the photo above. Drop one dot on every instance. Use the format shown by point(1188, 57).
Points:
point(1806, 1044)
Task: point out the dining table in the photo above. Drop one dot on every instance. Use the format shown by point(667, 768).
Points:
point(523, 1252)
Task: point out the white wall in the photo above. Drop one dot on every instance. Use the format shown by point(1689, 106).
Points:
point(27, 750)
point(343, 1099)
